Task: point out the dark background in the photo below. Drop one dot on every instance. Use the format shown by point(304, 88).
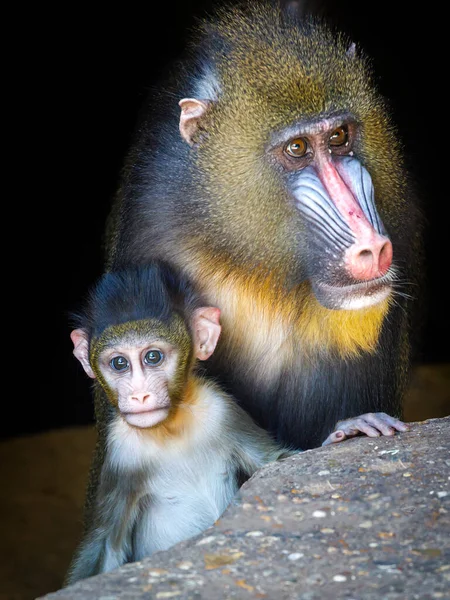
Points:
point(91, 73)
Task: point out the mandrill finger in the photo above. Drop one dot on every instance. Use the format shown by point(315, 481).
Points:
point(393, 422)
point(352, 427)
point(333, 438)
point(385, 423)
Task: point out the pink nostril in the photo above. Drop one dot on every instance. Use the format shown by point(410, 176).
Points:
point(369, 261)
point(142, 398)
point(385, 257)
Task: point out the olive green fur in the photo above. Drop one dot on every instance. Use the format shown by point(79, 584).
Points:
point(274, 75)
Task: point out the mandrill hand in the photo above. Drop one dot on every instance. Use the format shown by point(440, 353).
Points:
point(370, 424)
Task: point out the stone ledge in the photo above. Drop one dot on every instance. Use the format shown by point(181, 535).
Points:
point(365, 519)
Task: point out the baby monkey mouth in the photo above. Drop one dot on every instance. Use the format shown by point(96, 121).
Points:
point(145, 417)
point(139, 410)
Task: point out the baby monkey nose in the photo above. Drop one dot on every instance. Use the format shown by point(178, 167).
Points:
point(141, 397)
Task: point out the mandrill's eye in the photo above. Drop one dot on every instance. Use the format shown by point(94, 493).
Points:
point(119, 363)
point(153, 357)
point(297, 147)
point(339, 137)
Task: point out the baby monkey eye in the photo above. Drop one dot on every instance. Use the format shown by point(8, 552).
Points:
point(339, 137)
point(119, 363)
point(297, 147)
point(153, 357)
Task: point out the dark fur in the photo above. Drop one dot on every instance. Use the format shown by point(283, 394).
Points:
point(153, 291)
point(302, 407)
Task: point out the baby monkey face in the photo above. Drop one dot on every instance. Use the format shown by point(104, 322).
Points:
point(143, 365)
point(137, 374)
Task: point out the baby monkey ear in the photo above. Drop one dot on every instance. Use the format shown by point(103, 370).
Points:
point(81, 350)
point(206, 328)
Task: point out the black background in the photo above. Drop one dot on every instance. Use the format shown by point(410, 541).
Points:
point(90, 73)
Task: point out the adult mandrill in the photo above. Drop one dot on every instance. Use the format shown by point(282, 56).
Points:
point(271, 174)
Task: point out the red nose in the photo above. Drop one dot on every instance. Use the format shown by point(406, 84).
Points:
point(369, 261)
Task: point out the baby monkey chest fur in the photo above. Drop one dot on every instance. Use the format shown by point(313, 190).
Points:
point(164, 513)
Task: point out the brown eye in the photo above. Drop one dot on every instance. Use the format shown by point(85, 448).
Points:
point(297, 148)
point(119, 363)
point(339, 137)
point(153, 357)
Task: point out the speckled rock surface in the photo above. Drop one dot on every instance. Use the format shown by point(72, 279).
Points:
point(365, 519)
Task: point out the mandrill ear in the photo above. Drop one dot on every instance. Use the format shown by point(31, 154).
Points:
point(192, 111)
point(81, 350)
point(206, 327)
